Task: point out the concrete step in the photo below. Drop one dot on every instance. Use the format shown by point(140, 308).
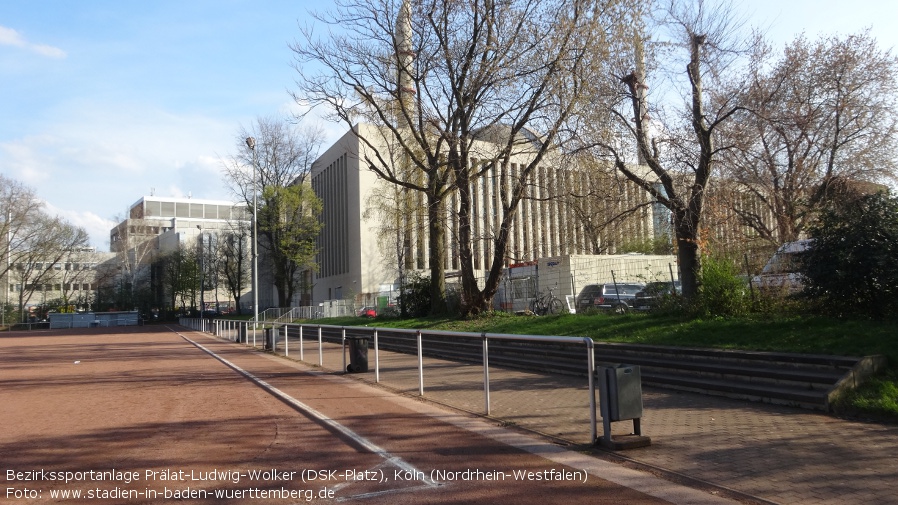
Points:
point(805, 380)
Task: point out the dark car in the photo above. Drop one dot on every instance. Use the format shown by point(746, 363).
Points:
point(653, 293)
point(609, 296)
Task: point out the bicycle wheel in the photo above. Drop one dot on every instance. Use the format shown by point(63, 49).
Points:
point(556, 306)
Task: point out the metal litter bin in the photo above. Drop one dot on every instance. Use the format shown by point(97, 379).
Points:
point(621, 386)
point(270, 336)
point(358, 353)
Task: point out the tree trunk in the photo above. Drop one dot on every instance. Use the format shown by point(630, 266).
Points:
point(437, 251)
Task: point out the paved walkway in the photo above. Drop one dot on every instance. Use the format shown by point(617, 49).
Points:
point(765, 453)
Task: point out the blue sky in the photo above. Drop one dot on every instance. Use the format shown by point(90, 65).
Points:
point(104, 101)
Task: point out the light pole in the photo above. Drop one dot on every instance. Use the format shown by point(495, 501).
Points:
point(251, 143)
point(202, 278)
point(6, 275)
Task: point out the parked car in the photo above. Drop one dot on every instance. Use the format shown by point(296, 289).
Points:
point(367, 312)
point(782, 274)
point(653, 292)
point(609, 296)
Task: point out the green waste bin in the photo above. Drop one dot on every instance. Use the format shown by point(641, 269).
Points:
point(621, 390)
point(358, 353)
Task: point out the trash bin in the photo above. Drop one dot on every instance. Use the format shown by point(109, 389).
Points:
point(270, 336)
point(358, 353)
point(621, 388)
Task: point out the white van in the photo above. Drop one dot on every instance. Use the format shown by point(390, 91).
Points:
point(781, 273)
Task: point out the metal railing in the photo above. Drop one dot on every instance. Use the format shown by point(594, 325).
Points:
point(245, 332)
point(43, 325)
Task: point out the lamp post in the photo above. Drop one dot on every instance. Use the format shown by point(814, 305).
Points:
point(202, 278)
point(251, 143)
point(6, 275)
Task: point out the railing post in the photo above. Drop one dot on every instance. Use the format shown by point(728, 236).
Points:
point(486, 373)
point(301, 358)
point(420, 366)
point(591, 364)
point(343, 345)
point(376, 359)
point(320, 349)
point(286, 340)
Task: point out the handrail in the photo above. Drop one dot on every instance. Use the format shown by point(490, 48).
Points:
point(588, 344)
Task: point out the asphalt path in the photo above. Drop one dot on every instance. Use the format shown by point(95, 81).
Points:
point(159, 415)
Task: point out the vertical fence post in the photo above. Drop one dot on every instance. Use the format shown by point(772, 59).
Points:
point(286, 340)
point(486, 374)
point(343, 345)
point(591, 365)
point(301, 358)
point(420, 366)
point(320, 349)
point(376, 359)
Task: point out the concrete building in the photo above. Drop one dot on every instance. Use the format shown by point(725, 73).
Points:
point(68, 281)
point(159, 225)
point(359, 261)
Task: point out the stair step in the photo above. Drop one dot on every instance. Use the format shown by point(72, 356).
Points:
point(785, 378)
point(791, 396)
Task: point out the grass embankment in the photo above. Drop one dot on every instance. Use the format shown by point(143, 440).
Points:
point(878, 398)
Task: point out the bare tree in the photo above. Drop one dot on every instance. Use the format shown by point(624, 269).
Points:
point(35, 243)
point(821, 119)
point(76, 271)
point(135, 243)
point(22, 213)
point(40, 255)
point(370, 74)
point(389, 209)
point(233, 260)
point(677, 146)
point(180, 277)
point(457, 90)
point(283, 157)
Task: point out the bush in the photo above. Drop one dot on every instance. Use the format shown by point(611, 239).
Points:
point(415, 298)
point(722, 292)
point(852, 264)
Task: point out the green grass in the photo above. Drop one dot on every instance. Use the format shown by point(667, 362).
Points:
point(878, 398)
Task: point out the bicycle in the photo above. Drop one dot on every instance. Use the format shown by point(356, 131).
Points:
point(546, 303)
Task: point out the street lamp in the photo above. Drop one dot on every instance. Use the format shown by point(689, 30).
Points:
point(202, 278)
point(251, 143)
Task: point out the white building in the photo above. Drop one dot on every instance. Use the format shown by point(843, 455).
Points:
point(159, 225)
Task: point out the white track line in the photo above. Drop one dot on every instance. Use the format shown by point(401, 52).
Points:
point(362, 441)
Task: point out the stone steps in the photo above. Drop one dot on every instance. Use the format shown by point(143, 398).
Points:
point(803, 380)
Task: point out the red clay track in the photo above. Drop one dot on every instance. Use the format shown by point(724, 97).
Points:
point(147, 405)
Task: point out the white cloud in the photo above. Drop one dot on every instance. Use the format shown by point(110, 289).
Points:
point(97, 227)
point(10, 37)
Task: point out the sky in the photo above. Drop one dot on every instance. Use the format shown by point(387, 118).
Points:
point(103, 102)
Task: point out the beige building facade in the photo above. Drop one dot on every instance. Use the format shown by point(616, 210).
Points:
point(363, 242)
